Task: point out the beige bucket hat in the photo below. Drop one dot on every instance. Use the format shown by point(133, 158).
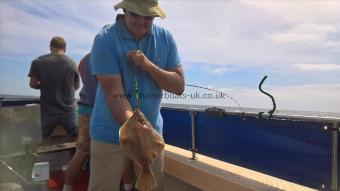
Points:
point(142, 7)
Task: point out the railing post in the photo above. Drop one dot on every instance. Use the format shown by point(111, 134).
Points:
point(335, 159)
point(193, 135)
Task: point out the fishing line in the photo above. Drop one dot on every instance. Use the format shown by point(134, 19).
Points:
point(135, 83)
point(222, 93)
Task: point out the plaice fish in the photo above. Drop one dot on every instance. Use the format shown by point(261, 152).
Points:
point(143, 144)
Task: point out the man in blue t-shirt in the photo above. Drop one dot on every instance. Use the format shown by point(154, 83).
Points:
point(131, 48)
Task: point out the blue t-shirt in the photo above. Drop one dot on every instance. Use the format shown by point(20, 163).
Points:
point(108, 57)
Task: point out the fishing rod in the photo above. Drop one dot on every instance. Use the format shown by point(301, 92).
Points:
point(15, 173)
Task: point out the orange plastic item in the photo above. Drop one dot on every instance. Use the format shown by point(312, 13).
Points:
point(52, 184)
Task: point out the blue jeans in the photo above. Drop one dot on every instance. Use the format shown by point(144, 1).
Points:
point(50, 121)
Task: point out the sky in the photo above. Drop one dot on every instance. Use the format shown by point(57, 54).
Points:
point(227, 46)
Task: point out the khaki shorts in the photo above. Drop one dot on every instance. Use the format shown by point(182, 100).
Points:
point(83, 140)
point(107, 165)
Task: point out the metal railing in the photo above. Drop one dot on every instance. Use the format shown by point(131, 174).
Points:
point(331, 123)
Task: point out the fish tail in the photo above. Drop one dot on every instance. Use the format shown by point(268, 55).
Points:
point(146, 180)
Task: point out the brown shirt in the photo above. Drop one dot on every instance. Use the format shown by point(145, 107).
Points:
point(57, 74)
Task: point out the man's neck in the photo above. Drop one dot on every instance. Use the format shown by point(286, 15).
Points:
point(57, 51)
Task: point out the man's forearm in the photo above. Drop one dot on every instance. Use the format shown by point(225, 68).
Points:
point(34, 83)
point(37, 86)
point(114, 97)
point(171, 81)
point(120, 108)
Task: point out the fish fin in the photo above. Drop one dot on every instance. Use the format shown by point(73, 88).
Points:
point(146, 180)
point(124, 140)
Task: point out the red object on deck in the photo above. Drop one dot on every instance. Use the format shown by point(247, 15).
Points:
point(52, 184)
point(57, 181)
